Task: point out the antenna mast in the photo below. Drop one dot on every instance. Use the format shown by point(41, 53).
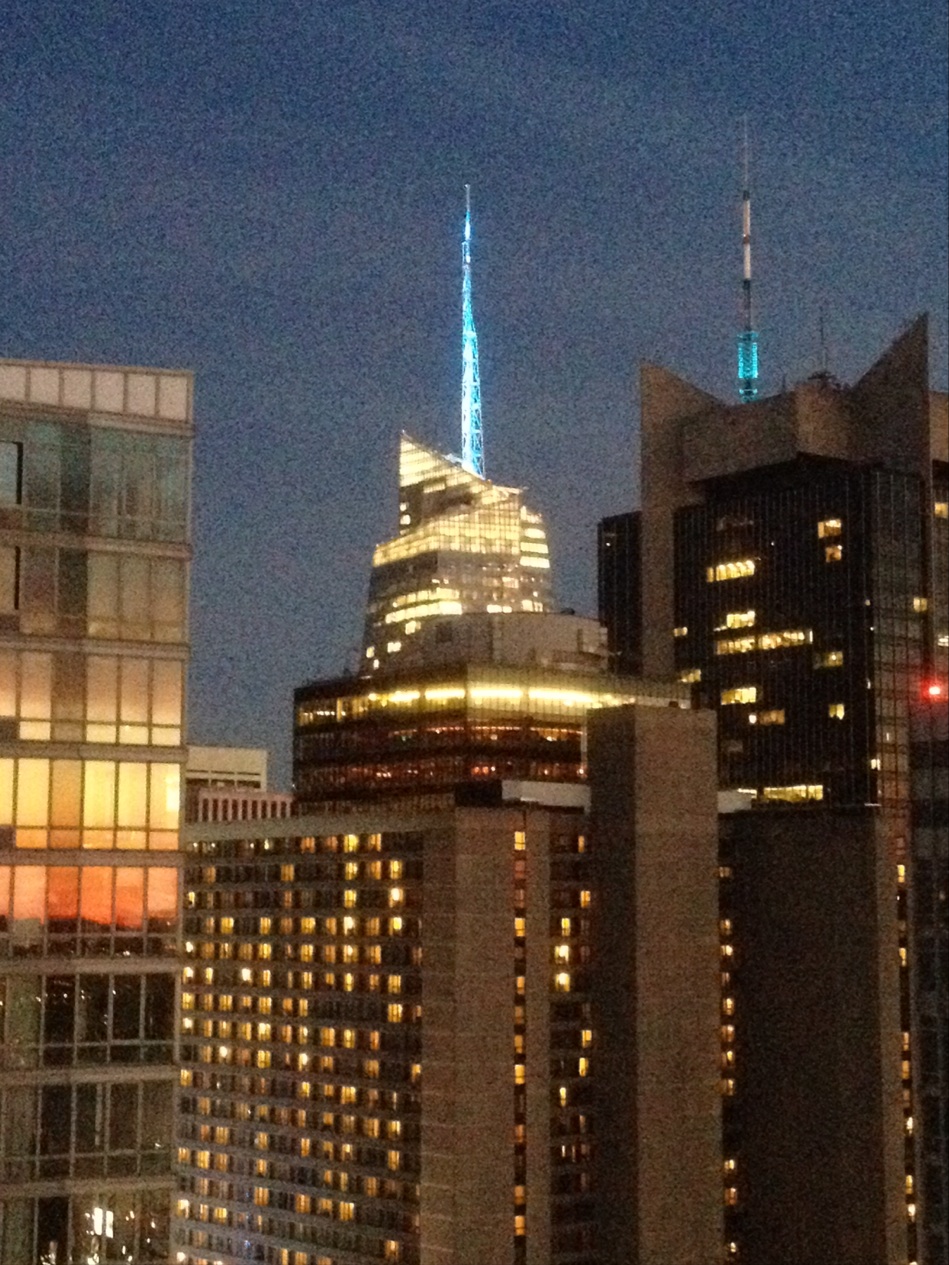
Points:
point(747, 339)
point(472, 438)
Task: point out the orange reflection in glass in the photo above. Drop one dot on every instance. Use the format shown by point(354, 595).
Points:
point(97, 895)
point(4, 891)
point(129, 897)
point(63, 900)
point(29, 892)
point(162, 894)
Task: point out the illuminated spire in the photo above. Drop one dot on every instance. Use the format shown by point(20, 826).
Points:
point(747, 339)
point(472, 439)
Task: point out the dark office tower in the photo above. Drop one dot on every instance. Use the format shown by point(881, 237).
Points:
point(94, 529)
point(927, 907)
point(788, 550)
point(620, 599)
point(790, 571)
point(464, 545)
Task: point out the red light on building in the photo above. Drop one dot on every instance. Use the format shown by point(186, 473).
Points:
point(933, 689)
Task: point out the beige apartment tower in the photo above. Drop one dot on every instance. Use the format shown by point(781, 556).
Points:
point(94, 556)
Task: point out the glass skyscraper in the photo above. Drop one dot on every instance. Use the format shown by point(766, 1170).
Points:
point(464, 544)
point(94, 558)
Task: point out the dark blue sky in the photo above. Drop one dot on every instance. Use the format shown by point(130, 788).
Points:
point(271, 194)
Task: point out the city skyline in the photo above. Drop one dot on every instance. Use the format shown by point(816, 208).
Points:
point(276, 204)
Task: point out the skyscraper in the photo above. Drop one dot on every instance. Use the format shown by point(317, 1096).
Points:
point(791, 567)
point(94, 557)
point(464, 544)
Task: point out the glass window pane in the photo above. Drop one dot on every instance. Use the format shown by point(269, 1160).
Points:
point(101, 689)
point(162, 897)
point(9, 579)
point(166, 692)
point(29, 893)
point(63, 898)
point(168, 599)
point(132, 781)
point(133, 597)
point(35, 686)
point(99, 794)
point(67, 778)
point(129, 898)
point(8, 684)
point(134, 704)
point(6, 792)
point(32, 793)
point(11, 463)
point(126, 1007)
point(96, 905)
point(103, 605)
point(165, 796)
point(123, 1118)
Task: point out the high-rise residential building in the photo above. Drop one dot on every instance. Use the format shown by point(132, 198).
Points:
point(464, 544)
point(94, 559)
point(790, 565)
point(391, 1047)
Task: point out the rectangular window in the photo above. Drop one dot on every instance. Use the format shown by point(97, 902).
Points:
point(736, 569)
point(836, 711)
point(833, 553)
point(773, 717)
point(740, 694)
point(829, 659)
point(9, 579)
point(829, 527)
point(11, 473)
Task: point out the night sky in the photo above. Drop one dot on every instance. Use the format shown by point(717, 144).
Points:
point(271, 194)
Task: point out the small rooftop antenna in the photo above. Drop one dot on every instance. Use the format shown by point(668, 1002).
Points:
point(747, 338)
point(472, 438)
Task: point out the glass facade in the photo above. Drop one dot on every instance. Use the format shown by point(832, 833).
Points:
point(94, 530)
point(464, 544)
point(802, 600)
point(414, 741)
point(618, 591)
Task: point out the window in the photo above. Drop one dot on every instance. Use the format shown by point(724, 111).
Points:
point(920, 605)
point(829, 659)
point(941, 509)
point(681, 631)
point(836, 711)
point(690, 676)
point(9, 579)
point(829, 527)
point(833, 553)
point(773, 717)
point(793, 794)
point(740, 694)
point(737, 569)
point(11, 473)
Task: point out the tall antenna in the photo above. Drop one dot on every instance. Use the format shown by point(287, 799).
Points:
point(747, 338)
point(472, 438)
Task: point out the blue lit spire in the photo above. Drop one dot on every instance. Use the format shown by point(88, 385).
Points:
point(747, 338)
point(472, 438)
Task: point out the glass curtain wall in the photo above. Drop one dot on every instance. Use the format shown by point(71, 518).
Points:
point(93, 631)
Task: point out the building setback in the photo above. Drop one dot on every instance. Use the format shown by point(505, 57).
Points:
point(94, 556)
